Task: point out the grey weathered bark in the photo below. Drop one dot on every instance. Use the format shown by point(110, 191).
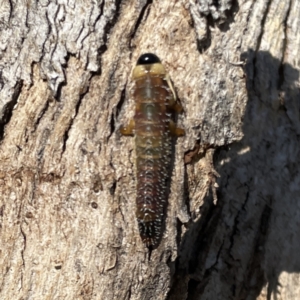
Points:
point(67, 222)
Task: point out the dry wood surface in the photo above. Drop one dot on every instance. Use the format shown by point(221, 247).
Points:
point(67, 176)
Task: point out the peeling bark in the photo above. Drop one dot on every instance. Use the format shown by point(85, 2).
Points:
point(67, 182)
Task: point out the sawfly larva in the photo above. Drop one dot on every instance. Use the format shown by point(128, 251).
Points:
point(154, 128)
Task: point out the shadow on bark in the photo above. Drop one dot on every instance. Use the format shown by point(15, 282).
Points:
point(251, 236)
point(223, 22)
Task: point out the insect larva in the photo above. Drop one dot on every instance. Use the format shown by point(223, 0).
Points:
point(153, 128)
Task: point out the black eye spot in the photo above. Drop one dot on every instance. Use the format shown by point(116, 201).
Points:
point(148, 58)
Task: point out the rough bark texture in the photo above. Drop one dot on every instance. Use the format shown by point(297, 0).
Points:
point(67, 182)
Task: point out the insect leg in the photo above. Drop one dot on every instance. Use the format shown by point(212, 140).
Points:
point(128, 129)
point(173, 104)
point(177, 107)
point(168, 79)
point(176, 131)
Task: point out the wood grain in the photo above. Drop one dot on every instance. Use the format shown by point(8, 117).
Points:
point(67, 186)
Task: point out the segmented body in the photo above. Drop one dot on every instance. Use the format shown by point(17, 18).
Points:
point(153, 154)
point(153, 129)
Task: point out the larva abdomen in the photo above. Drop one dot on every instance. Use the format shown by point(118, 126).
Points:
point(153, 129)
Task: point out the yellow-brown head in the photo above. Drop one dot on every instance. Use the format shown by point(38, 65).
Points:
point(148, 63)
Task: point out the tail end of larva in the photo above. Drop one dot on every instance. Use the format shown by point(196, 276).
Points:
point(151, 234)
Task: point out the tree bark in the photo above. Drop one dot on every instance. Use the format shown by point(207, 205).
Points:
point(67, 177)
